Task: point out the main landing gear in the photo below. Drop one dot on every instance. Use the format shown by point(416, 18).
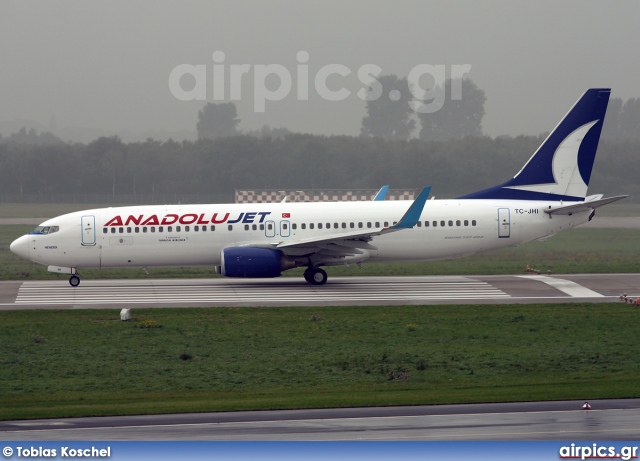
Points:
point(74, 280)
point(315, 276)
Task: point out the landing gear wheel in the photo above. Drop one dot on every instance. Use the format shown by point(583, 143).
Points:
point(74, 281)
point(318, 277)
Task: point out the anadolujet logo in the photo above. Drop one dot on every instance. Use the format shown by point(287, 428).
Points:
point(427, 100)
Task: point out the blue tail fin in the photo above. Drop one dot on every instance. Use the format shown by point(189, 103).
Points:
point(561, 167)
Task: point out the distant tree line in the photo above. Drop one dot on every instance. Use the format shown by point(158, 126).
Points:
point(32, 164)
point(448, 152)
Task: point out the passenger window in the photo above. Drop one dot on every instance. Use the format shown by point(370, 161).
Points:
point(137, 230)
point(442, 223)
point(197, 228)
point(294, 226)
point(426, 224)
point(230, 227)
point(335, 225)
point(269, 226)
point(466, 222)
point(186, 228)
point(319, 225)
point(104, 230)
point(121, 230)
point(435, 223)
point(128, 230)
point(473, 222)
point(213, 228)
point(352, 225)
point(144, 230)
point(369, 225)
point(344, 225)
point(419, 224)
point(113, 230)
point(153, 229)
point(285, 227)
point(377, 224)
point(386, 224)
point(360, 225)
point(450, 223)
point(204, 228)
point(303, 226)
point(262, 226)
point(311, 226)
point(160, 229)
point(178, 228)
point(169, 229)
point(246, 227)
point(457, 222)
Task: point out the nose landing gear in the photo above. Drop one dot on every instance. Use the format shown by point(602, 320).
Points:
point(74, 280)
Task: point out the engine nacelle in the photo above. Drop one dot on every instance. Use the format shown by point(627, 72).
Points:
point(254, 262)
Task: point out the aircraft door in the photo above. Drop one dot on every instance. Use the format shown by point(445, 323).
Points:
point(270, 228)
point(504, 223)
point(285, 229)
point(88, 224)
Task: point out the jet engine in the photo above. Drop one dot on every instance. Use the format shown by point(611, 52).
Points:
point(254, 262)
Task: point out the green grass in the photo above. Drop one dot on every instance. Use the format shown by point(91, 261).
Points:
point(88, 362)
point(581, 250)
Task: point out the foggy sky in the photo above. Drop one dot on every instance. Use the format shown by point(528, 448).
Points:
point(107, 64)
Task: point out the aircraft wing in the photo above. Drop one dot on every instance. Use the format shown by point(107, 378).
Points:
point(351, 243)
point(584, 206)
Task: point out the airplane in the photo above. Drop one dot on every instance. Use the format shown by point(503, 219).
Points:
point(547, 195)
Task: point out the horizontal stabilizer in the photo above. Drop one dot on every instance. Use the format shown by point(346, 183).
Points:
point(583, 206)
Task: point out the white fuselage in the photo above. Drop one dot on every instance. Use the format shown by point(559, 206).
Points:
point(173, 235)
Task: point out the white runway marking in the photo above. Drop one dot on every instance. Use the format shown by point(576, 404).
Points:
point(216, 292)
point(566, 286)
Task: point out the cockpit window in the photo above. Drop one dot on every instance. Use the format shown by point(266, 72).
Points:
point(42, 230)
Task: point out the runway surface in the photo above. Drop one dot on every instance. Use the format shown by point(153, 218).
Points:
point(347, 291)
point(607, 420)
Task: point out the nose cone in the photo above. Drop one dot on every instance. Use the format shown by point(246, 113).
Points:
point(20, 247)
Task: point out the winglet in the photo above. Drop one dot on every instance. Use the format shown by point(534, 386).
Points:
point(412, 216)
point(382, 194)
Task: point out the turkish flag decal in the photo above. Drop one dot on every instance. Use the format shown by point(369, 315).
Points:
point(286, 215)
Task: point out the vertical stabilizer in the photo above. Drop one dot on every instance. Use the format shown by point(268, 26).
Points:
point(561, 167)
